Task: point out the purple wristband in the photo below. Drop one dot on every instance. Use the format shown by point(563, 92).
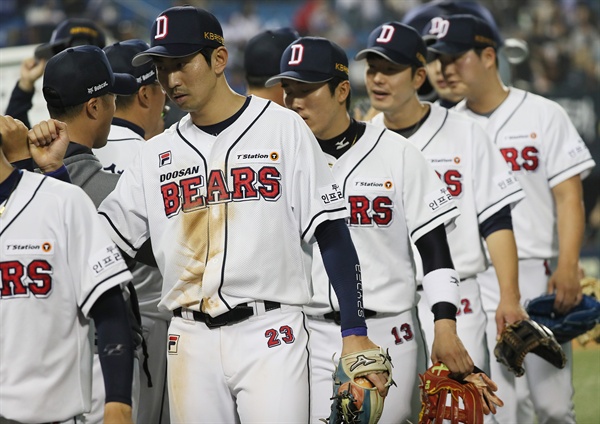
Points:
point(356, 331)
point(61, 174)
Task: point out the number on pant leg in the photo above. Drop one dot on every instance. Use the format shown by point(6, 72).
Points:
point(402, 333)
point(285, 333)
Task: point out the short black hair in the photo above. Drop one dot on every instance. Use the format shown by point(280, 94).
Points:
point(207, 53)
point(256, 81)
point(61, 112)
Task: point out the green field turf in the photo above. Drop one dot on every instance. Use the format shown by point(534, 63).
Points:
point(586, 379)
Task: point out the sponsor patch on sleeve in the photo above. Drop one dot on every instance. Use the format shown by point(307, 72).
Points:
point(331, 194)
point(437, 199)
point(505, 181)
point(105, 259)
point(575, 148)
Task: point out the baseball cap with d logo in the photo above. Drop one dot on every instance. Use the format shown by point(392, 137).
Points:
point(78, 74)
point(182, 31)
point(460, 33)
point(311, 60)
point(397, 43)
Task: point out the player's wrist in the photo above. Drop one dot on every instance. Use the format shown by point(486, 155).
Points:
point(26, 85)
point(53, 167)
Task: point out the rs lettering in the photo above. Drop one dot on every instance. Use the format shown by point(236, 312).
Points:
point(297, 54)
point(37, 281)
point(526, 158)
point(161, 27)
point(364, 211)
point(453, 180)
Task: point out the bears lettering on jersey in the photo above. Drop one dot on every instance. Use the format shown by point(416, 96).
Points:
point(525, 158)
point(453, 180)
point(19, 280)
point(365, 212)
point(246, 184)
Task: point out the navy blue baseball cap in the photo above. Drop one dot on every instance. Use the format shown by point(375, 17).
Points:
point(182, 31)
point(71, 32)
point(397, 43)
point(420, 17)
point(120, 55)
point(78, 74)
point(311, 60)
point(460, 33)
point(263, 51)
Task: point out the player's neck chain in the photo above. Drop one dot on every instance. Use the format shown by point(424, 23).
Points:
point(15, 176)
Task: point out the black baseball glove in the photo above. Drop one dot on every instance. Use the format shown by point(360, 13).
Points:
point(525, 336)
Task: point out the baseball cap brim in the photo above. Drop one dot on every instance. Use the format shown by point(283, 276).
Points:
point(443, 47)
point(47, 50)
point(385, 53)
point(304, 76)
point(124, 85)
point(171, 50)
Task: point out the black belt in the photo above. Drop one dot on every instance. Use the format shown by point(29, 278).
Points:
point(237, 314)
point(335, 315)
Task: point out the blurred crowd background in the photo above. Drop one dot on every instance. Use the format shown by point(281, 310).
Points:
point(563, 37)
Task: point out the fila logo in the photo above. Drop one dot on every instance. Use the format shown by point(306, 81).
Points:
point(161, 27)
point(439, 27)
point(387, 32)
point(297, 54)
point(164, 159)
point(173, 344)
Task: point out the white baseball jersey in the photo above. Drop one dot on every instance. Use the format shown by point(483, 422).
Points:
point(394, 196)
point(543, 148)
point(477, 177)
point(262, 178)
point(121, 149)
point(54, 266)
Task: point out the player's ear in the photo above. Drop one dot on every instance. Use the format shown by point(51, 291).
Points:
point(92, 107)
point(343, 91)
point(488, 57)
point(220, 56)
point(419, 78)
point(143, 95)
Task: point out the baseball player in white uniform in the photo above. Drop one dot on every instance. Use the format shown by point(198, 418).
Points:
point(57, 272)
point(393, 196)
point(234, 166)
point(549, 158)
point(472, 168)
point(138, 118)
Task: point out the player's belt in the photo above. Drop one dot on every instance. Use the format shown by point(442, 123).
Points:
point(335, 315)
point(240, 313)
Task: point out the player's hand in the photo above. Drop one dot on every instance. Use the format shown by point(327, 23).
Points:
point(31, 70)
point(508, 312)
point(14, 138)
point(486, 388)
point(48, 142)
point(117, 413)
point(448, 349)
point(565, 282)
point(351, 344)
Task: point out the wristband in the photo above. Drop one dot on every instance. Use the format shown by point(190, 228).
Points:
point(441, 285)
point(444, 310)
point(356, 331)
point(61, 174)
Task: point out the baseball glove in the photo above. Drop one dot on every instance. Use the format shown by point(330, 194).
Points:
point(579, 320)
point(591, 287)
point(522, 337)
point(443, 398)
point(355, 399)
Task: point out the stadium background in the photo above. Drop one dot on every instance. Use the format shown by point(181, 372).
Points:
point(563, 37)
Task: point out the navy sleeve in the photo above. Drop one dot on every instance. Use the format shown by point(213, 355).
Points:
point(115, 345)
point(343, 269)
point(61, 174)
point(19, 104)
point(434, 250)
point(501, 220)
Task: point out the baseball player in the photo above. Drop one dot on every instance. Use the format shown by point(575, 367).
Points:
point(549, 158)
point(86, 102)
point(231, 199)
point(261, 61)
point(470, 166)
point(57, 271)
point(138, 118)
point(71, 32)
point(393, 196)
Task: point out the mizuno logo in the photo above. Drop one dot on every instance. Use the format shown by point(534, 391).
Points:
point(454, 280)
point(362, 360)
